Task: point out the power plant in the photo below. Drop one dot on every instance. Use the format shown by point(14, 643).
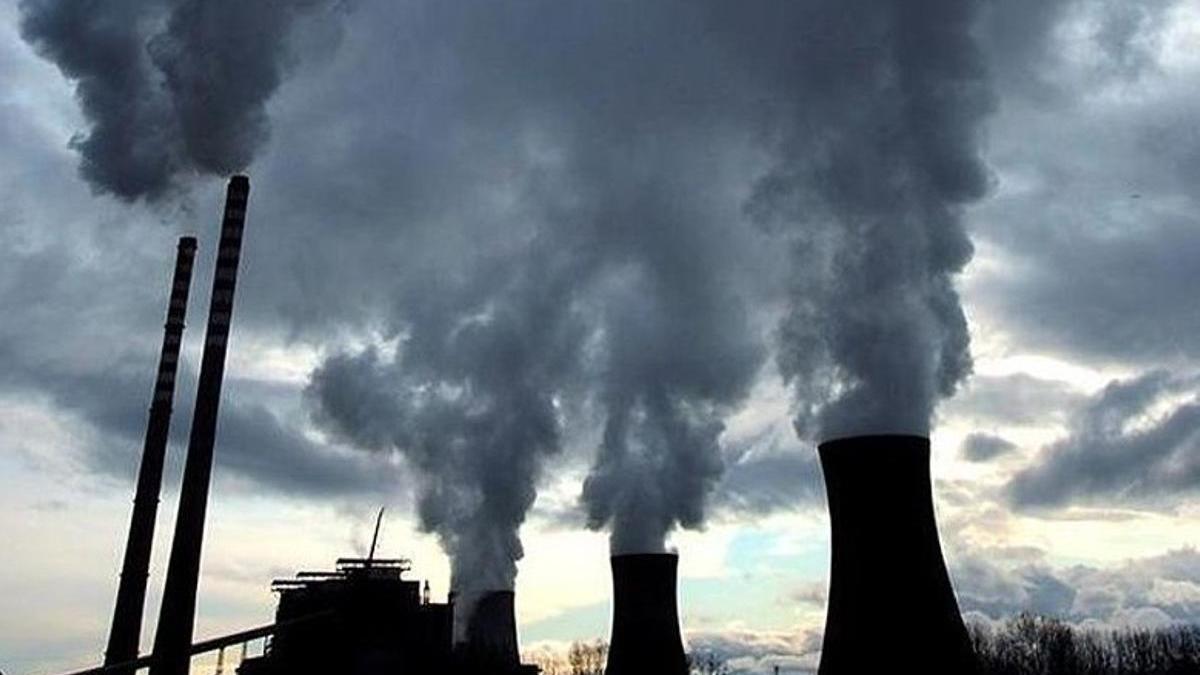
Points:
point(891, 604)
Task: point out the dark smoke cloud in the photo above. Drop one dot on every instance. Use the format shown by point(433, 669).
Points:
point(170, 88)
point(872, 175)
point(871, 111)
point(1137, 441)
point(615, 212)
point(678, 359)
point(470, 402)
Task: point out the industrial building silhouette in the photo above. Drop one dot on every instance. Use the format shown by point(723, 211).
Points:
point(365, 618)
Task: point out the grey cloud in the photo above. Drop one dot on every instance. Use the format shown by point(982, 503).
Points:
point(1013, 400)
point(95, 362)
point(1166, 585)
point(1121, 448)
point(1023, 42)
point(255, 444)
point(1097, 230)
point(765, 477)
point(978, 447)
point(1128, 34)
point(758, 652)
point(1120, 297)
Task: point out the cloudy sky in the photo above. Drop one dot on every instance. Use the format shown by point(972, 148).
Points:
point(549, 279)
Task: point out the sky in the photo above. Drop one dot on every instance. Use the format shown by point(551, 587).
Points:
point(551, 280)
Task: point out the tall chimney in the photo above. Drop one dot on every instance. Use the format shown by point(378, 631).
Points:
point(891, 606)
point(177, 616)
point(645, 626)
point(135, 569)
point(491, 645)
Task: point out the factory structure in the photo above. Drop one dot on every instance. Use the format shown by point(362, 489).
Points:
point(364, 617)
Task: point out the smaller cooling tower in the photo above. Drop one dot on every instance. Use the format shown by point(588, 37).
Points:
point(891, 606)
point(645, 625)
point(491, 644)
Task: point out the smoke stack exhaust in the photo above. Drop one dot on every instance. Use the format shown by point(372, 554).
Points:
point(491, 645)
point(177, 617)
point(135, 569)
point(645, 627)
point(890, 598)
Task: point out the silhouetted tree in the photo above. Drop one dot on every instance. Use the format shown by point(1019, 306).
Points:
point(707, 662)
point(588, 658)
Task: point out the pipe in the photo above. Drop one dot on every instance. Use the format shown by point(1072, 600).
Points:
point(891, 605)
point(177, 615)
point(135, 569)
point(645, 625)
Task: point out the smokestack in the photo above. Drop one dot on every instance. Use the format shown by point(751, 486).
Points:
point(177, 616)
point(135, 569)
point(645, 625)
point(492, 634)
point(890, 599)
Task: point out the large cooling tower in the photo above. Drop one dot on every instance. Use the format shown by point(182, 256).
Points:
point(492, 633)
point(891, 606)
point(645, 625)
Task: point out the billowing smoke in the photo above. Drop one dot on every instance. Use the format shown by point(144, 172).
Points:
point(170, 88)
point(629, 330)
point(881, 156)
point(469, 400)
point(679, 358)
point(621, 297)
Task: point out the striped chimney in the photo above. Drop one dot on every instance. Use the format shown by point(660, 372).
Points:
point(131, 592)
point(177, 616)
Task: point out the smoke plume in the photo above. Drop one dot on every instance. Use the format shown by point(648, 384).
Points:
point(679, 358)
point(170, 88)
point(631, 321)
point(469, 401)
point(873, 172)
point(617, 301)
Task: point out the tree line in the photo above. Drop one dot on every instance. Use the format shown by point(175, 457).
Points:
point(1025, 644)
point(1036, 645)
point(589, 658)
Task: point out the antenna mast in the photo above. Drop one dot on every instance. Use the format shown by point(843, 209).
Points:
point(375, 539)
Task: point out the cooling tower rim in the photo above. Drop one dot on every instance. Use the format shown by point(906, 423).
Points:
point(662, 555)
point(882, 439)
point(485, 591)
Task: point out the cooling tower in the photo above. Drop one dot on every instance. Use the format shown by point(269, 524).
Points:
point(135, 569)
point(177, 615)
point(645, 625)
point(891, 606)
point(491, 644)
